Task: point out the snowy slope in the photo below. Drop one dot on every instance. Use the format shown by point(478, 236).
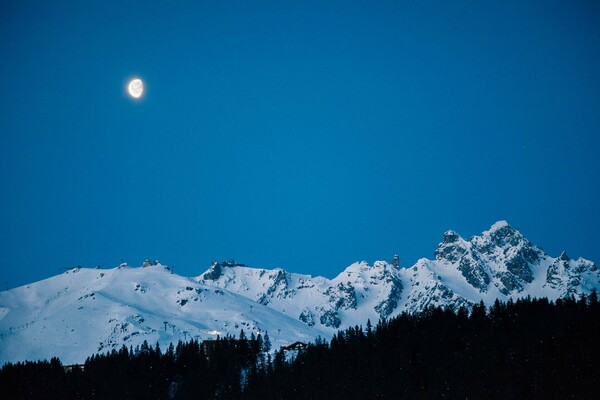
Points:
point(84, 311)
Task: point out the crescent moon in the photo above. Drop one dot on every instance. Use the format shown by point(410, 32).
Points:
point(136, 88)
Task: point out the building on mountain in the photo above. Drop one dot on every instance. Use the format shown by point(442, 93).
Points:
point(74, 367)
point(295, 346)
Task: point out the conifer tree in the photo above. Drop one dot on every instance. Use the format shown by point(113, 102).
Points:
point(266, 343)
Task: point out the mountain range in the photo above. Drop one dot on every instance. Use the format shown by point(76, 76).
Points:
point(84, 311)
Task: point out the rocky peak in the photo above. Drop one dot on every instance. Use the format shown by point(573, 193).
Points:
point(450, 237)
point(499, 225)
point(502, 234)
point(215, 271)
point(502, 242)
point(451, 248)
point(563, 256)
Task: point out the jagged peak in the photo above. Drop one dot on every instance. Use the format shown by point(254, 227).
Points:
point(563, 256)
point(499, 225)
point(502, 234)
point(450, 236)
point(214, 272)
point(228, 263)
point(451, 247)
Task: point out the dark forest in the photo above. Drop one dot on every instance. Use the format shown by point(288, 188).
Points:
point(527, 349)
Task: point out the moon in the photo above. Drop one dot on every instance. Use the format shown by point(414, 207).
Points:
point(136, 88)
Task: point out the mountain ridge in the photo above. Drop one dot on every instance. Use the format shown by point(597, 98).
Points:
point(84, 311)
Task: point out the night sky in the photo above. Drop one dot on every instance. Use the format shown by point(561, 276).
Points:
point(302, 135)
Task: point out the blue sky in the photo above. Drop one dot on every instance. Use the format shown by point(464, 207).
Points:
point(302, 135)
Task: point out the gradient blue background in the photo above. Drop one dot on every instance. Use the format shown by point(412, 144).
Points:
point(303, 135)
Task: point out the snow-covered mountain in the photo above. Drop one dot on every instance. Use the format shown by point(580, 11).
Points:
point(84, 311)
point(499, 264)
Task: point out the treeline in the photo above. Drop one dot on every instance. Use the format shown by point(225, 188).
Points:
point(528, 349)
point(190, 370)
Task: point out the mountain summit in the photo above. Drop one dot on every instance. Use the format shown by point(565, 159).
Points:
point(85, 311)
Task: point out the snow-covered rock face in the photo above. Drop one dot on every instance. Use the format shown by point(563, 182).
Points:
point(457, 253)
point(316, 301)
point(84, 311)
point(571, 276)
point(500, 257)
